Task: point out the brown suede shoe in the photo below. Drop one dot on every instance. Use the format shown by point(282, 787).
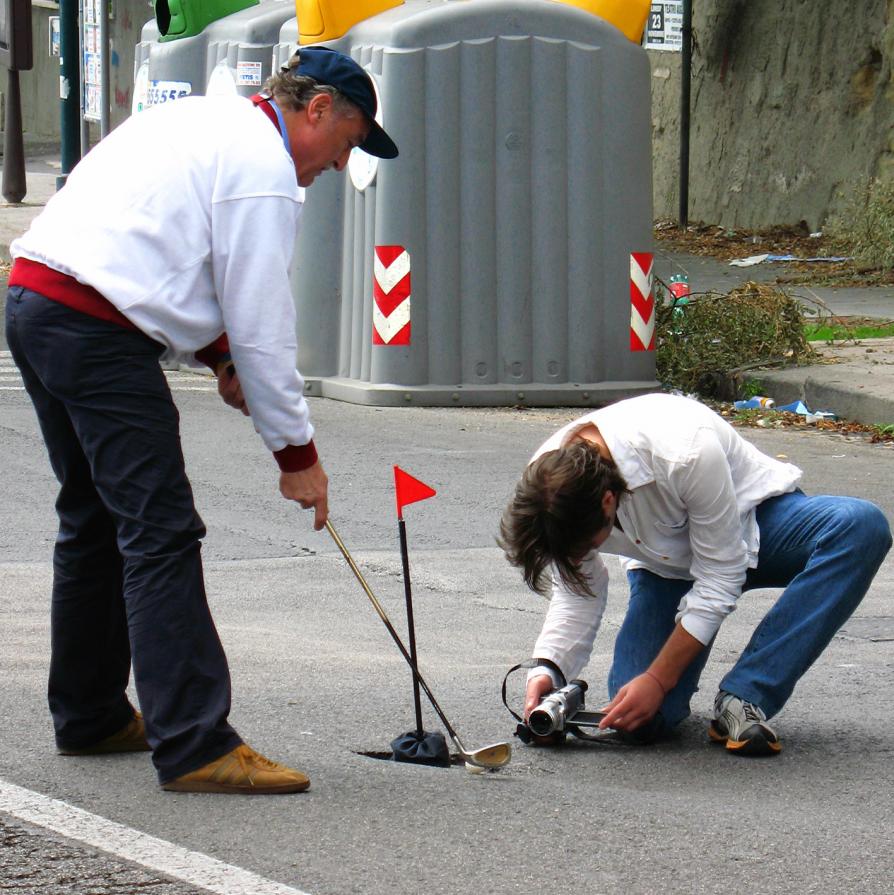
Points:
point(131, 738)
point(241, 771)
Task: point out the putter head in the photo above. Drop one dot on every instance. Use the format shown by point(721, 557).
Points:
point(494, 756)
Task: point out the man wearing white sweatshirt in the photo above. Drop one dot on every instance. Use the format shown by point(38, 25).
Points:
point(698, 516)
point(172, 238)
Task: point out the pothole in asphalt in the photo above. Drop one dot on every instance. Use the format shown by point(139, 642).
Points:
point(507, 773)
point(455, 760)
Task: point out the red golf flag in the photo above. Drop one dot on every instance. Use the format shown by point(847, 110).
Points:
point(409, 490)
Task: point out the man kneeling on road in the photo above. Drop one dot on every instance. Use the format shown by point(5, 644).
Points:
point(698, 515)
point(172, 237)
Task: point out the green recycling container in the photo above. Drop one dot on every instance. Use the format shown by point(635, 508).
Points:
point(186, 18)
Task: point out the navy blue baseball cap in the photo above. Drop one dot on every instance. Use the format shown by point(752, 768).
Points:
point(337, 70)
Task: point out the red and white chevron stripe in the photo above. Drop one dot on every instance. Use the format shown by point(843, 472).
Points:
point(391, 296)
point(642, 303)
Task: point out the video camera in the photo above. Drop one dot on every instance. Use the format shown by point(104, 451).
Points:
point(559, 713)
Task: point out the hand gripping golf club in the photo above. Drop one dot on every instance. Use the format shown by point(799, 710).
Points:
point(493, 756)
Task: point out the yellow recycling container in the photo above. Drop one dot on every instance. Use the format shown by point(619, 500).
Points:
point(320, 20)
point(628, 16)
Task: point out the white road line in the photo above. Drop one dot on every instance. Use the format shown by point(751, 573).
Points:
point(173, 860)
point(193, 388)
point(174, 388)
point(10, 373)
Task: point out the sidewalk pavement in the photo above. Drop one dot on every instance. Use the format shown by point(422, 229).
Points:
point(40, 179)
point(856, 382)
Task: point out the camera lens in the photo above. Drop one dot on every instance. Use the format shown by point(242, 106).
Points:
point(541, 722)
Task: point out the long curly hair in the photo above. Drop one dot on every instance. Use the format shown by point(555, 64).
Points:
point(556, 512)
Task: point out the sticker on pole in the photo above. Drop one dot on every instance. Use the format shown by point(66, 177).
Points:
point(248, 73)
point(664, 27)
point(642, 303)
point(391, 296)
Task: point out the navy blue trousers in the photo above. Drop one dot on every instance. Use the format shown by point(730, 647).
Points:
point(128, 587)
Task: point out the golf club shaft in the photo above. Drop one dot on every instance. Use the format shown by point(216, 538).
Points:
point(394, 635)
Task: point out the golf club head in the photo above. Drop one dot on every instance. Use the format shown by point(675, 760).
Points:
point(494, 756)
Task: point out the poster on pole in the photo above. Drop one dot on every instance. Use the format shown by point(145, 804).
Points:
point(664, 27)
point(90, 43)
point(54, 36)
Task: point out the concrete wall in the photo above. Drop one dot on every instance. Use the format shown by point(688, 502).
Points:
point(40, 86)
point(792, 107)
point(792, 104)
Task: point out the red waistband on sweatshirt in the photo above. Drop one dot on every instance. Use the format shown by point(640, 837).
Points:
point(57, 286)
point(69, 292)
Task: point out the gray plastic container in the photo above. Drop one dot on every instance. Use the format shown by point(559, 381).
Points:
point(233, 54)
point(522, 188)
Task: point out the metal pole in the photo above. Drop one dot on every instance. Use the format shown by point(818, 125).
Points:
point(105, 76)
point(82, 103)
point(411, 624)
point(69, 89)
point(686, 75)
point(14, 181)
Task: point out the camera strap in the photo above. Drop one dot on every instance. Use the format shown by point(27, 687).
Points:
point(529, 664)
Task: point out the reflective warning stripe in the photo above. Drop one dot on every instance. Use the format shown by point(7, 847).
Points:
point(391, 296)
point(642, 303)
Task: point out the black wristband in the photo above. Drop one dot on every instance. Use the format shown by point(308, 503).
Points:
point(552, 665)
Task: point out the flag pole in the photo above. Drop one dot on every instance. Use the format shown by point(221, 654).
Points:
point(408, 489)
point(411, 626)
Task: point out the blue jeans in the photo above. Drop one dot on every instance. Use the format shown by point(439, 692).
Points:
point(823, 550)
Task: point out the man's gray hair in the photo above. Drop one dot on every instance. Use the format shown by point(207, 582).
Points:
point(294, 91)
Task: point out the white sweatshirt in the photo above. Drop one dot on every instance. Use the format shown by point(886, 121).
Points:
point(185, 219)
point(695, 484)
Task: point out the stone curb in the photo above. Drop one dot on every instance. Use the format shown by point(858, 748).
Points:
point(857, 385)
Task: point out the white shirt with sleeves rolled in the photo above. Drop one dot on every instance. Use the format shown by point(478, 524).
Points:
point(694, 485)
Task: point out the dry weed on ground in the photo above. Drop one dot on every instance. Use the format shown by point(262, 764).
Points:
point(703, 345)
point(774, 419)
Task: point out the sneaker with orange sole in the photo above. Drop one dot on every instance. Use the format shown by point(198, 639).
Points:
point(241, 771)
point(742, 727)
point(131, 738)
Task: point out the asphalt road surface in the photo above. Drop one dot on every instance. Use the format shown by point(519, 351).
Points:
point(317, 683)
